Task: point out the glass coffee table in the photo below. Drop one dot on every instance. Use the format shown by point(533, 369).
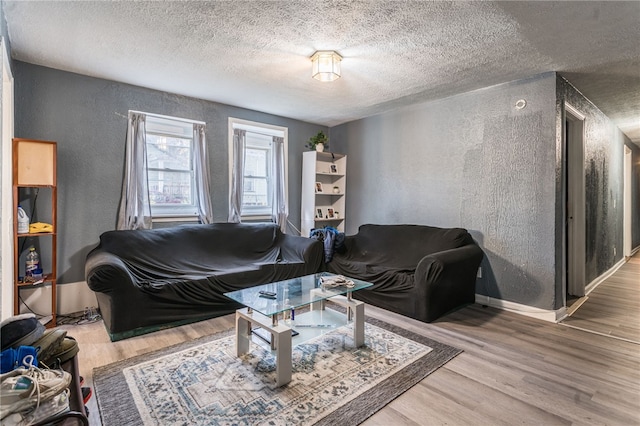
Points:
point(270, 315)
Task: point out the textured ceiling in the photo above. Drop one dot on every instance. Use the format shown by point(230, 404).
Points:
point(255, 54)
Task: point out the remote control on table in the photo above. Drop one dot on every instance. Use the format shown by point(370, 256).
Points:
point(266, 296)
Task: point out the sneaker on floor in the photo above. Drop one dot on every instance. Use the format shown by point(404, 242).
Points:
point(50, 343)
point(20, 330)
point(67, 350)
point(24, 356)
point(15, 392)
point(47, 409)
point(23, 390)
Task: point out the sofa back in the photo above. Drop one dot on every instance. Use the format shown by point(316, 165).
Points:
point(193, 249)
point(404, 245)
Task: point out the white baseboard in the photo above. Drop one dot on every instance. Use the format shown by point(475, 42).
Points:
point(593, 284)
point(529, 311)
point(72, 297)
point(544, 314)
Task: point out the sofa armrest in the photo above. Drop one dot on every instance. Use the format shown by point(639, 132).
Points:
point(106, 272)
point(462, 261)
point(298, 249)
point(446, 280)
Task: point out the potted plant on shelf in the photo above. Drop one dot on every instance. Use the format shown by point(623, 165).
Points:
point(318, 142)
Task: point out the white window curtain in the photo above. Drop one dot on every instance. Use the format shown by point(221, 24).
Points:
point(135, 210)
point(237, 176)
point(202, 174)
point(280, 208)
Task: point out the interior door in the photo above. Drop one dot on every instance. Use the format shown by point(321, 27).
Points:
point(628, 169)
point(575, 229)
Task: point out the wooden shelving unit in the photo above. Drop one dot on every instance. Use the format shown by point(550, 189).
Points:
point(324, 183)
point(35, 171)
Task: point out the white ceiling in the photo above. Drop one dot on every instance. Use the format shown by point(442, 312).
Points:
point(255, 54)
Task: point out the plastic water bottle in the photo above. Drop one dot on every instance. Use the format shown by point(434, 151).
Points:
point(23, 221)
point(32, 265)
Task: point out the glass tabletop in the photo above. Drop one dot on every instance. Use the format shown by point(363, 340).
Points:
point(291, 294)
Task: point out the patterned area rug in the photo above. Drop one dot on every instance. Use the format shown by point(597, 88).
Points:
point(204, 383)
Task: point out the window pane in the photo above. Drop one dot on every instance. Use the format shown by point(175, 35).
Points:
point(169, 126)
point(170, 188)
point(165, 152)
point(256, 192)
point(255, 162)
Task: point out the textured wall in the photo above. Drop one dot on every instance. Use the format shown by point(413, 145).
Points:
point(87, 117)
point(604, 177)
point(472, 161)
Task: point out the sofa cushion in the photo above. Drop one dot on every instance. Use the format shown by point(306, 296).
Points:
point(401, 247)
point(192, 250)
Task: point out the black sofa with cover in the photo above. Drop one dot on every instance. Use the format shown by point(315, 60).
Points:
point(146, 280)
point(421, 272)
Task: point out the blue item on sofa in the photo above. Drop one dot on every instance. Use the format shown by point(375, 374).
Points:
point(331, 238)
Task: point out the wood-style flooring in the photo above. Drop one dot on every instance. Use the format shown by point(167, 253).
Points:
point(514, 369)
point(613, 307)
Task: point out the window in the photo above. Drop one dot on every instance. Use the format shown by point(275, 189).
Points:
point(170, 166)
point(257, 197)
point(259, 173)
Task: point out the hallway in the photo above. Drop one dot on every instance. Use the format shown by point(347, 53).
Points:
point(613, 307)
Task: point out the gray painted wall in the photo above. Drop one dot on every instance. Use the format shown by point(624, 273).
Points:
point(472, 161)
point(87, 117)
point(476, 162)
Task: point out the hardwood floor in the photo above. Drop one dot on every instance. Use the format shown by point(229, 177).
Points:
point(613, 307)
point(514, 369)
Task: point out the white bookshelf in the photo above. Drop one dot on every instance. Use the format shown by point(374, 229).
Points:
point(324, 181)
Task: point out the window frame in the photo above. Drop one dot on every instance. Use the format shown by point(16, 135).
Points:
point(263, 129)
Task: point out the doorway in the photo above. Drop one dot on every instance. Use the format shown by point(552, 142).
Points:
point(575, 222)
point(628, 170)
point(6, 188)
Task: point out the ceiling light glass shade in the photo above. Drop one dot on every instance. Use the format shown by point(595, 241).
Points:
point(325, 65)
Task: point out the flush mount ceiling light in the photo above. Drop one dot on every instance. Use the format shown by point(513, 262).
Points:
point(325, 65)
